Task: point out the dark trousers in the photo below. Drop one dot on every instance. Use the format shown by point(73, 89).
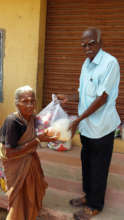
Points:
point(96, 157)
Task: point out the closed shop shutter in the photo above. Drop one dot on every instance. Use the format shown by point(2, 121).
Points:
point(66, 19)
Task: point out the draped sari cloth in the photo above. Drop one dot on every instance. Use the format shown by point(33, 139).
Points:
point(25, 179)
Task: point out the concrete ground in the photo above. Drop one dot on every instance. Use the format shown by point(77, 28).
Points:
point(63, 174)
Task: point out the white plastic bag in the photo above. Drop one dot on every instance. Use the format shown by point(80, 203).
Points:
point(55, 119)
point(60, 128)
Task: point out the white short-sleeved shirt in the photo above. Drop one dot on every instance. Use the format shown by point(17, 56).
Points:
point(102, 74)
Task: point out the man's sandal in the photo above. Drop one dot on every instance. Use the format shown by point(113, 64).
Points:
point(85, 213)
point(90, 211)
point(78, 202)
point(80, 215)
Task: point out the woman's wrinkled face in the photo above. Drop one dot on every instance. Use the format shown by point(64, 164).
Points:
point(26, 104)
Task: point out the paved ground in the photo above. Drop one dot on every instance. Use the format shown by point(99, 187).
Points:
point(63, 173)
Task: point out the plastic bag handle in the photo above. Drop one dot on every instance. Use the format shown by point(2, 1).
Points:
point(55, 99)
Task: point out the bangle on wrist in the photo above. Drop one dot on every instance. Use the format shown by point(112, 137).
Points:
point(38, 140)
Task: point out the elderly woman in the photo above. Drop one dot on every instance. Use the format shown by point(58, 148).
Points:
point(24, 176)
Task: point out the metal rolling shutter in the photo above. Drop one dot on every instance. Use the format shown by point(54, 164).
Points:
point(66, 19)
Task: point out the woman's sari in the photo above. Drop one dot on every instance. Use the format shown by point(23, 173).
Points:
point(25, 179)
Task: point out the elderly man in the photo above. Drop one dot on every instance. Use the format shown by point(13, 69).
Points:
point(97, 121)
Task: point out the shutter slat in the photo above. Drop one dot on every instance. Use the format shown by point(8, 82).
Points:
point(66, 19)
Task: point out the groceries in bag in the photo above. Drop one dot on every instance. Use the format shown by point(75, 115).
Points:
point(55, 122)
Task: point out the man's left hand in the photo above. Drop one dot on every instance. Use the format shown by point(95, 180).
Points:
point(73, 126)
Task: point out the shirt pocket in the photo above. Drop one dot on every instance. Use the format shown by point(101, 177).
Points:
point(91, 89)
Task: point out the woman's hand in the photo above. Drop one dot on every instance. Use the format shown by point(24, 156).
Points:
point(51, 132)
point(48, 137)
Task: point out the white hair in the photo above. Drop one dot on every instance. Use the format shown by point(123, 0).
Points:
point(19, 91)
point(98, 32)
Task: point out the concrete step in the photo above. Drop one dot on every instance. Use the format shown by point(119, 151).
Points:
point(114, 193)
point(63, 174)
point(72, 158)
point(59, 208)
point(117, 164)
point(58, 170)
point(57, 202)
point(73, 173)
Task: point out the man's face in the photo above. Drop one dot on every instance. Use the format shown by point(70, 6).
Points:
point(90, 44)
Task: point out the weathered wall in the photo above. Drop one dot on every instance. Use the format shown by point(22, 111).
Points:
point(20, 19)
point(42, 35)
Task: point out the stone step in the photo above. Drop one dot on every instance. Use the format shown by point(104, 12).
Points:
point(67, 165)
point(117, 163)
point(64, 185)
point(3, 201)
point(56, 203)
point(115, 183)
point(114, 194)
point(71, 157)
point(50, 214)
point(63, 173)
point(58, 170)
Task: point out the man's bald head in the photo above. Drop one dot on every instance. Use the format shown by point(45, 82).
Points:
point(91, 42)
point(93, 31)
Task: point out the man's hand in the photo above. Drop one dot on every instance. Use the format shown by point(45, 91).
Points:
point(63, 98)
point(73, 126)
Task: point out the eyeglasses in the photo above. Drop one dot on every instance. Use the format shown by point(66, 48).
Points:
point(27, 102)
point(91, 43)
